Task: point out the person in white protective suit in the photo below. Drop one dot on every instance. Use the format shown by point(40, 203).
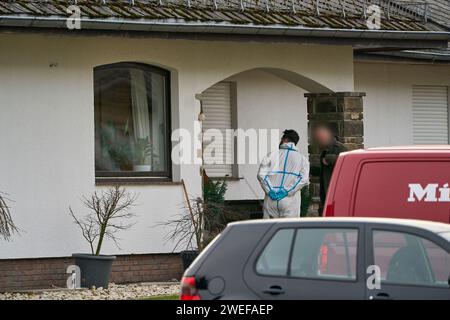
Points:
point(282, 174)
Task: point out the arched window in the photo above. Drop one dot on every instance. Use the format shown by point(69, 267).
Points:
point(132, 120)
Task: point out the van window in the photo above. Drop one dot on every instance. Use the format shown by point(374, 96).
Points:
point(325, 253)
point(391, 189)
point(274, 259)
point(408, 259)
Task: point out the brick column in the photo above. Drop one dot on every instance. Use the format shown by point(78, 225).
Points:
point(343, 112)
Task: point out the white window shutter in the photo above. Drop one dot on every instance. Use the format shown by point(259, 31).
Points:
point(217, 109)
point(430, 115)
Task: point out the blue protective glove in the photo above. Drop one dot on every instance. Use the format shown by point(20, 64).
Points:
point(278, 195)
point(281, 194)
point(273, 195)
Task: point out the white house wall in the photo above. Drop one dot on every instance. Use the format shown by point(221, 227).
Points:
point(388, 103)
point(47, 124)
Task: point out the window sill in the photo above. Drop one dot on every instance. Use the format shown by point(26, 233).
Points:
point(134, 181)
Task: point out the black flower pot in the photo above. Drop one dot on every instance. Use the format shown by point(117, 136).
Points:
point(95, 270)
point(187, 257)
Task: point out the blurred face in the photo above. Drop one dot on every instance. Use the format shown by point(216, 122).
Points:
point(323, 136)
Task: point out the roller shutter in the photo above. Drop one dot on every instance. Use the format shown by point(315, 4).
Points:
point(216, 102)
point(430, 115)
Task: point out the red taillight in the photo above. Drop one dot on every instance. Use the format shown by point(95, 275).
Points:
point(189, 289)
point(329, 210)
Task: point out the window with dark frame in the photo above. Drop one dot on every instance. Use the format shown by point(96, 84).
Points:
point(274, 259)
point(325, 253)
point(315, 253)
point(132, 121)
point(407, 259)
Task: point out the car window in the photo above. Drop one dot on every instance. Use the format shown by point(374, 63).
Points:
point(325, 253)
point(275, 256)
point(408, 259)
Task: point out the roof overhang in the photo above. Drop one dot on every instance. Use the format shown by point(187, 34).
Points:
point(443, 57)
point(178, 28)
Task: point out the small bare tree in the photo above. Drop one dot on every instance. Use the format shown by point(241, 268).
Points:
point(201, 218)
point(186, 229)
point(109, 212)
point(7, 226)
point(198, 223)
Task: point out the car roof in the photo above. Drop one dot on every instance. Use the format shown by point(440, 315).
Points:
point(415, 147)
point(396, 150)
point(435, 227)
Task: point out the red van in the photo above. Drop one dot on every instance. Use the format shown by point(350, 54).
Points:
point(398, 182)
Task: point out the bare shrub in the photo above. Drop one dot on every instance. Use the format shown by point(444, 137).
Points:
point(110, 213)
point(7, 226)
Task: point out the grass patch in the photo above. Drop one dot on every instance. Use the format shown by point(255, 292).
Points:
point(162, 297)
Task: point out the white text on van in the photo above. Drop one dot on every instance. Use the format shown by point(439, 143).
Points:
point(430, 193)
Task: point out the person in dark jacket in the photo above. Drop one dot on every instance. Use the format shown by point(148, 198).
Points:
point(331, 148)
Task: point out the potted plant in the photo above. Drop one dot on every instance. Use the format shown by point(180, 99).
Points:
point(109, 213)
point(142, 150)
point(7, 226)
point(115, 143)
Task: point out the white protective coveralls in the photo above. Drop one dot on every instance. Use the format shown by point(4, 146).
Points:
point(282, 174)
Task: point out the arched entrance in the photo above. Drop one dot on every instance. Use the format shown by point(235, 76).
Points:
point(272, 98)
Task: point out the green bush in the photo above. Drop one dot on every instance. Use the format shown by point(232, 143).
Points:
point(214, 191)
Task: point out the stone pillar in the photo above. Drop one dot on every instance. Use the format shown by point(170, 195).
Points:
point(343, 112)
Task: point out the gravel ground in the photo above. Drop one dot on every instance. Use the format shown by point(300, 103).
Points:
point(114, 292)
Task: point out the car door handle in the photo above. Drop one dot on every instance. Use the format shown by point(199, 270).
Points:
point(381, 296)
point(274, 290)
